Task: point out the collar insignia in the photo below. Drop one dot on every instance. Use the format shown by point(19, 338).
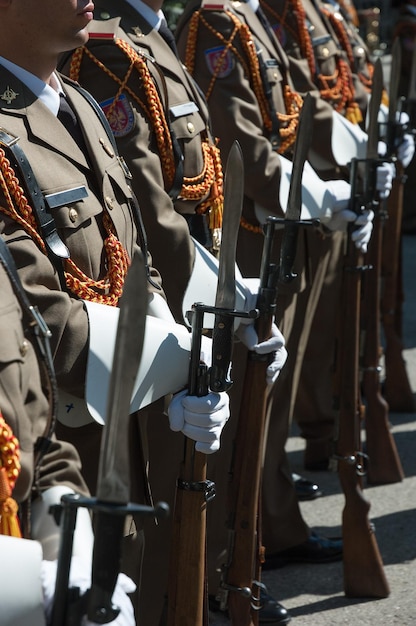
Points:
point(9, 95)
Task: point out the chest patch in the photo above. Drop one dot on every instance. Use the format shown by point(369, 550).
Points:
point(219, 63)
point(120, 115)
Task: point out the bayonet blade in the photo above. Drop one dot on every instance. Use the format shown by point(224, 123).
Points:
point(301, 149)
point(373, 110)
point(113, 483)
point(222, 336)
point(233, 204)
point(395, 71)
point(294, 204)
point(411, 96)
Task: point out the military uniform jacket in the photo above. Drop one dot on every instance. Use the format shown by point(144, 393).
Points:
point(242, 119)
point(324, 50)
point(405, 29)
point(59, 165)
point(24, 405)
point(185, 108)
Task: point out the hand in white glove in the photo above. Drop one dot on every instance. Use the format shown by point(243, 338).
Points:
point(275, 346)
point(384, 179)
point(80, 576)
point(342, 215)
point(362, 232)
point(200, 418)
point(406, 150)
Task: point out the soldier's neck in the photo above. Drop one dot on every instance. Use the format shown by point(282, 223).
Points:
point(156, 5)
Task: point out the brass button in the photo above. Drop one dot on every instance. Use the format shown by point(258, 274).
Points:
point(190, 127)
point(24, 347)
point(106, 147)
point(325, 52)
point(275, 76)
point(73, 215)
point(104, 15)
point(109, 202)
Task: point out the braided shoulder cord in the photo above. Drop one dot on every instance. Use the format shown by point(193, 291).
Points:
point(9, 473)
point(208, 184)
point(105, 291)
point(293, 101)
point(340, 28)
point(342, 93)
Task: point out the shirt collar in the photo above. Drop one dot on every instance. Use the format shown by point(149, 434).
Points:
point(47, 94)
point(154, 19)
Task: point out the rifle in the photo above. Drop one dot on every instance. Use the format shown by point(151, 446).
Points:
point(240, 581)
point(397, 388)
point(187, 593)
point(363, 567)
point(384, 463)
point(111, 505)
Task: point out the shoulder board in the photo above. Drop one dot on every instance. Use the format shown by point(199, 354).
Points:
point(105, 29)
point(213, 5)
point(108, 36)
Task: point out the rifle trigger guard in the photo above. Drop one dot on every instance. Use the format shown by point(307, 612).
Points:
point(206, 486)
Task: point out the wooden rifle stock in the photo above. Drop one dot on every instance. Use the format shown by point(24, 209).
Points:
point(397, 388)
point(187, 583)
point(384, 464)
point(187, 587)
point(363, 568)
point(240, 587)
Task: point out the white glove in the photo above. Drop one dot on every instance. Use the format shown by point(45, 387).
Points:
point(406, 150)
point(200, 418)
point(342, 215)
point(274, 346)
point(362, 233)
point(384, 179)
point(80, 576)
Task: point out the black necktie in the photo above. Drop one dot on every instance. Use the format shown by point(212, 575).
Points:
point(167, 35)
point(68, 118)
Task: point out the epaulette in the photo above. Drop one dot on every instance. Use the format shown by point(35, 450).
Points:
point(103, 36)
point(104, 29)
point(213, 5)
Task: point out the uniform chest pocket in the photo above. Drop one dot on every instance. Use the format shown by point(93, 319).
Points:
point(186, 121)
point(325, 50)
point(274, 75)
point(14, 345)
point(73, 206)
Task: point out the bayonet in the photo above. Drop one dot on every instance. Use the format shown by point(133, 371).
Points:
point(294, 205)
point(222, 337)
point(113, 483)
point(393, 123)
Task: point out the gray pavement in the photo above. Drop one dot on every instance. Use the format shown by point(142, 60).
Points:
point(314, 594)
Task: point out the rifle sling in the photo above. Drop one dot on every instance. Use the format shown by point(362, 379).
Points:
point(57, 250)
